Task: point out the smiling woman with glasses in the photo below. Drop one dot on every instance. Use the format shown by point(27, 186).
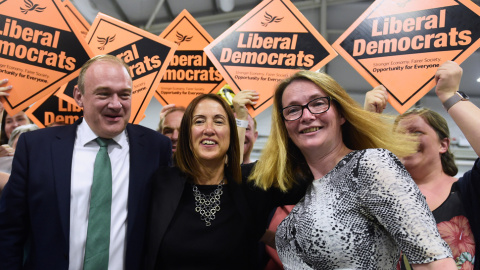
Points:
point(362, 207)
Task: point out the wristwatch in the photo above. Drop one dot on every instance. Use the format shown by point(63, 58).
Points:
point(459, 96)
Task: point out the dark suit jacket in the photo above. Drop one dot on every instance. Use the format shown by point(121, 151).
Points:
point(253, 204)
point(35, 205)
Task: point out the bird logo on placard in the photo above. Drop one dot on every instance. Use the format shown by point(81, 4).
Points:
point(105, 41)
point(30, 6)
point(181, 38)
point(271, 19)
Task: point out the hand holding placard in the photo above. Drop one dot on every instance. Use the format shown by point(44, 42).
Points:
point(448, 78)
point(4, 88)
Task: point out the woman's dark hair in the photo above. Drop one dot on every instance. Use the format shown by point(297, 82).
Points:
point(185, 158)
point(3, 134)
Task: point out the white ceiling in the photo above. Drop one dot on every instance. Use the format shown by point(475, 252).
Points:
point(155, 15)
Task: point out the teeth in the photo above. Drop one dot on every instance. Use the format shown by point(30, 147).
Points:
point(310, 129)
point(207, 142)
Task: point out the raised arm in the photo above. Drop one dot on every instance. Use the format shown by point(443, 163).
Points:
point(376, 99)
point(240, 101)
point(465, 114)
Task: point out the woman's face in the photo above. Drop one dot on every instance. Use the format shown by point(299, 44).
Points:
point(430, 147)
point(312, 132)
point(11, 122)
point(210, 131)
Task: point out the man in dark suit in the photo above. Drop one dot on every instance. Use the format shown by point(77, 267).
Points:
point(45, 208)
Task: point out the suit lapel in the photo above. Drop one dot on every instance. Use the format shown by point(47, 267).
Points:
point(167, 192)
point(138, 179)
point(62, 153)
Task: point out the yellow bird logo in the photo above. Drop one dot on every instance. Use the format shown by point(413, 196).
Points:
point(181, 38)
point(270, 19)
point(29, 6)
point(105, 41)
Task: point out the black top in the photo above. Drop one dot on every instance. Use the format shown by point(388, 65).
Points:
point(190, 244)
point(178, 239)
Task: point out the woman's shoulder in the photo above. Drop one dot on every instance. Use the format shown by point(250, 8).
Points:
point(378, 164)
point(247, 169)
point(167, 173)
point(375, 156)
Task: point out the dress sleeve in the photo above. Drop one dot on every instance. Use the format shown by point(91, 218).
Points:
point(391, 197)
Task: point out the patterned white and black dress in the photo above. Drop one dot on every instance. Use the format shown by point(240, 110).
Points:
point(359, 216)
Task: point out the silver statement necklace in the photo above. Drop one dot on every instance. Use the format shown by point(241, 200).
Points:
point(208, 205)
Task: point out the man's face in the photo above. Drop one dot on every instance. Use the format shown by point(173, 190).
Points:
point(107, 99)
point(251, 136)
point(171, 127)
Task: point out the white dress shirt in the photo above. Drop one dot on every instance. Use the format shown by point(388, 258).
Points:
point(84, 153)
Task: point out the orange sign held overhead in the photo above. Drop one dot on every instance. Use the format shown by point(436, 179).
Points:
point(40, 50)
point(268, 44)
point(400, 44)
point(52, 110)
point(66, 91)
point(147, 55)
point(190, 72)
point(81, 22)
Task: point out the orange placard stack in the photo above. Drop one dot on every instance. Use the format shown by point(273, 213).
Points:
point(66, 90)
point(190, 72)
point(147, 55)
point(400, 44)
point(40, 50)
point(51, 109)
point(269, 43)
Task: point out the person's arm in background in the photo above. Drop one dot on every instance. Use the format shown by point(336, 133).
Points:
point(3, 180)
point(4, 88)
point(240, 101)
point(465, 114)
point(376, 99)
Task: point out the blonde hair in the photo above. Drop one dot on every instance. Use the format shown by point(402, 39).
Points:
point(282, 162)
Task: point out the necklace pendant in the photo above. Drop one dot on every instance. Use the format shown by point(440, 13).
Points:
point(207, 205)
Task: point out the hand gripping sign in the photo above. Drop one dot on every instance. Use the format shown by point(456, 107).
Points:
point(401, 43)
point(147, 55)
point(40, 49)
point(190, 72)
point(268, 44)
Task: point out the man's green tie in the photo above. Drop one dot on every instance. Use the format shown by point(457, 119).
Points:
point(98, 232)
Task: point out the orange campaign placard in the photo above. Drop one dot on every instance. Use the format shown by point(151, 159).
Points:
point(190, 72)
point(268, 44)
point(81, 22)
point(147, 55)
point(51, 110)
point(401, 44)
point(40, 50)
point(66, 91)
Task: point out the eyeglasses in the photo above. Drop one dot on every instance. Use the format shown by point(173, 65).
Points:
point(315, 106)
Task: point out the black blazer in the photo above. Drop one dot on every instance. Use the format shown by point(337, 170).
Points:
point(253, 204)
point(35, 203)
